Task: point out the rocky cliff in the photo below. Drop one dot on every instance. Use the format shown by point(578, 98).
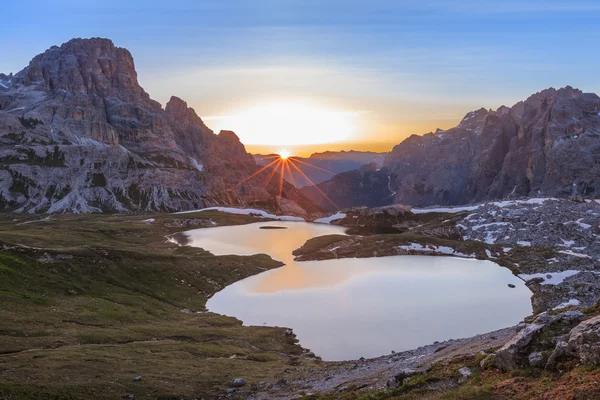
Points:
point(547, 145)
point(79, 134)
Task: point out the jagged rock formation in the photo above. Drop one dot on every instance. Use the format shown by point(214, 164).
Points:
point(548, 145)
point(79, 134)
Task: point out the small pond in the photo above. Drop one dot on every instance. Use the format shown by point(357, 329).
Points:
point(350, 308)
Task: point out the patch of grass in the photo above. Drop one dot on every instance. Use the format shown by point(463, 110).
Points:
point(87, 302)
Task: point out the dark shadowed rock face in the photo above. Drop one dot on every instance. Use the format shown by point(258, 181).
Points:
point(79, 134)
point(366, 186)
point(546, 145)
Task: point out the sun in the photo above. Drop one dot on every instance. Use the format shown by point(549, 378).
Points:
point(284, 154)
point(288, 123)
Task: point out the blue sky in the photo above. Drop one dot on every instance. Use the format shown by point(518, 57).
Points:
point(409, 66)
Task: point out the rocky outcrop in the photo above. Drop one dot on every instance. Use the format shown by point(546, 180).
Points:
point(79, 134)
point(583, 343)
point(529, 345)
point(547, 145)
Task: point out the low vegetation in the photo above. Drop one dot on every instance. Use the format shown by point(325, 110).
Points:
point(89, 302)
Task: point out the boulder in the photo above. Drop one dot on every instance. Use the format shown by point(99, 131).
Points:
point(584, 342)
point(465, 374)
point(536, 359)
point(514, 353)
point(237, 382)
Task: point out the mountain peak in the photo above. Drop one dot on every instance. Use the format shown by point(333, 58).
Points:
point(92, 66)
point(179, 110)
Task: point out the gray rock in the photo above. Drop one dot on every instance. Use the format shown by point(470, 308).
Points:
point(536, 359)
point(237, 382)
point(491, 155)
point(84, 136)
point(561, 351)
point(403, 375)
point(584, 341)
point(392, 383)
point(281, 383)
point(137, 378)
point(465, 374)
point(513, 353)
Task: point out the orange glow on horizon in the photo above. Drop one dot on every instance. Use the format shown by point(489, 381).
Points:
point(282, 164)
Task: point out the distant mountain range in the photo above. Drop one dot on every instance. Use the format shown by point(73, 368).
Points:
point(79, 134)
point(320, 167)
point(547, 145)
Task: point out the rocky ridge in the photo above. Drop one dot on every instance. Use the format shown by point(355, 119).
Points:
point(547, 145)
point(79, 134)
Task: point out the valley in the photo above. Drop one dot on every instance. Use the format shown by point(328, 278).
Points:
point(114, 300)
point(144, 256)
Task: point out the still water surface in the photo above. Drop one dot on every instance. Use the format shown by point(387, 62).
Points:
point(350, 308)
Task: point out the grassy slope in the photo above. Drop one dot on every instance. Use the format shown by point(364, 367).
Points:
point(96, 300)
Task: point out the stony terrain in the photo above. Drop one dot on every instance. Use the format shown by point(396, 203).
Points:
point(124, 308)
point(79, 134)
point(551, 243)
point(547, 145)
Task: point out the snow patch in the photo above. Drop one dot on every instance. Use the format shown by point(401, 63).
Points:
point(196, 164)
point(444, 209)
point(477, 227)
point(328, 220)
point(572, 302)
point(435, 249)
point(507, 203)
point(149, 220)
point(572, 253)
point(556, 278)
point(246, 211)
point(524, 243)
point(567, 243)
point(85, 141)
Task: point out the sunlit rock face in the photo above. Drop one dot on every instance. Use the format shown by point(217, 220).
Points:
point(547, 145)
point(79, 134)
